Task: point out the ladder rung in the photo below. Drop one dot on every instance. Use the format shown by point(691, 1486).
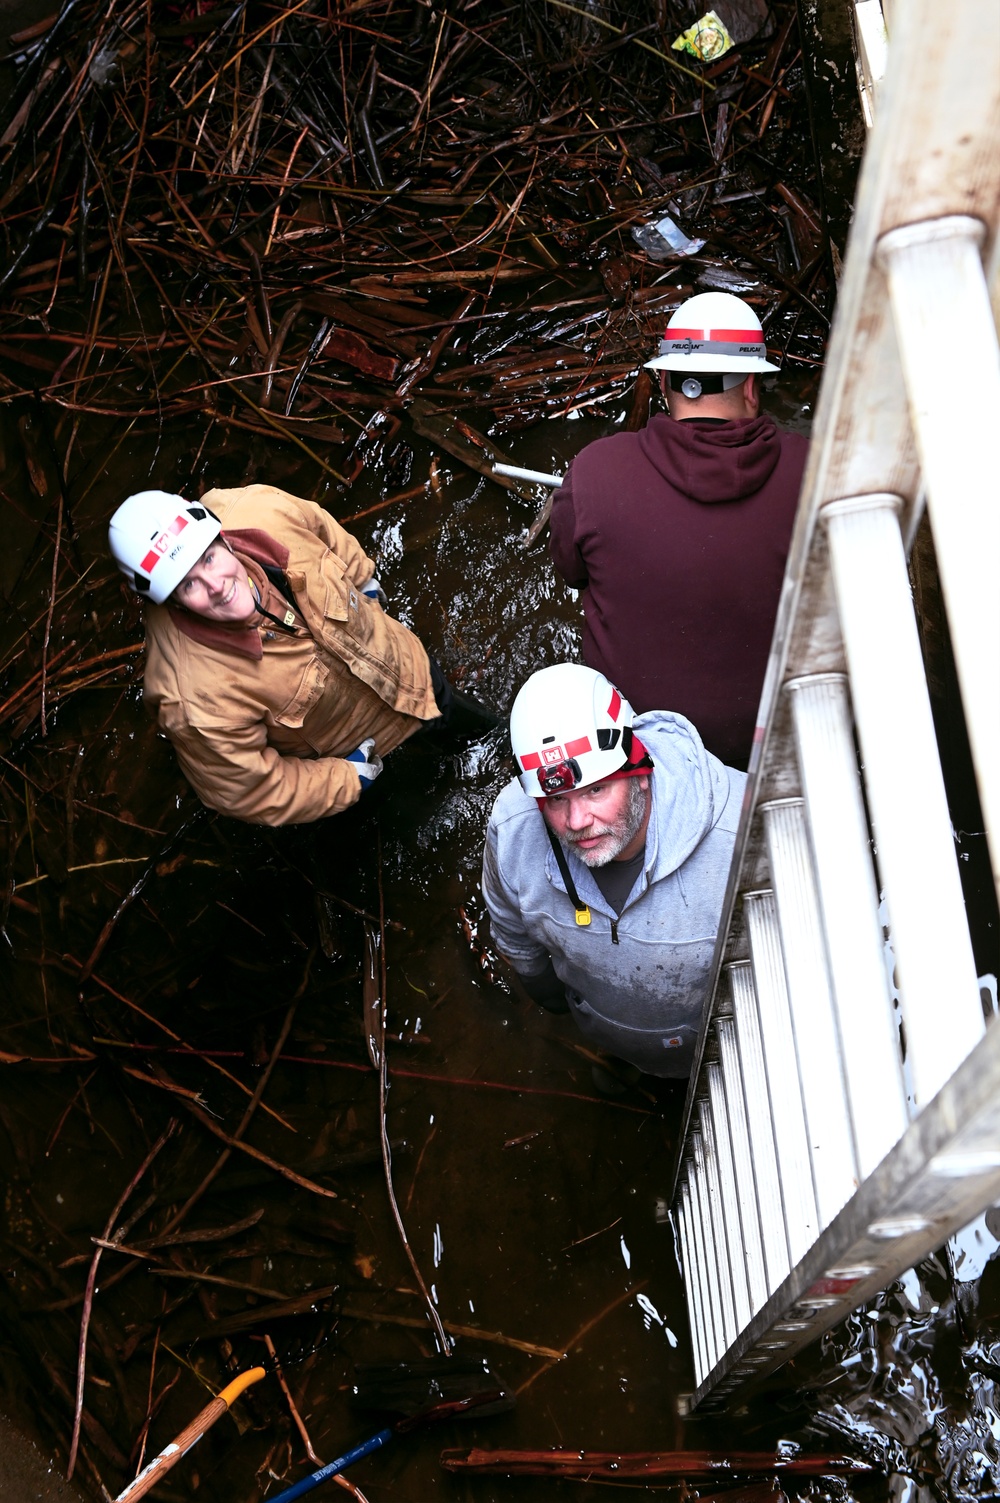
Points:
point(845, 881)
point(761, 1135)
point(783, 1086)
point(712, 1331)
point(909, 810)
point(692, 1281)
point(940, 301)
point(713, 1269)
point(717, 1109)
point(720, 1231)
point(746, 1190)
point(814, 1024)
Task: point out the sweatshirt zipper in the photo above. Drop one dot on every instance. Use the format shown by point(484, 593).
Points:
point(614, 931)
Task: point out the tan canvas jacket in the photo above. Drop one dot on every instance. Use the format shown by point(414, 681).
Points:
point(265, 740)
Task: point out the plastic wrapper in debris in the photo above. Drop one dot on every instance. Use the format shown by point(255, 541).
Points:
point(706, 40)
point(664, 240)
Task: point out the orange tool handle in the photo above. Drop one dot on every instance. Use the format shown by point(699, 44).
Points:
point(171, 1455)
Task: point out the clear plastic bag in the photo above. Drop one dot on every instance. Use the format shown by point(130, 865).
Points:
point(663, 240)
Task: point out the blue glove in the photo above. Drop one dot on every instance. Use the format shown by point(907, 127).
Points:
point(365, 763)
point(374, 591)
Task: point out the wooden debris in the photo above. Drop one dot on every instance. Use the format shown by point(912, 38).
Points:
point(322, 241)
point(623, 1466)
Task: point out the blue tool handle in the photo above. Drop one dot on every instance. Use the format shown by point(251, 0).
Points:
point(299, 1489)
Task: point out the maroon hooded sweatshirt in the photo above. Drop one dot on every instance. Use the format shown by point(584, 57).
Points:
point(677, 536)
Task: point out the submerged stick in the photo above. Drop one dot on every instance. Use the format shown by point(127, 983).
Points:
point(208, 1057)
point(137, 887)
point(614, 1466)
point(475, 1333)
point(620, 31)
point(193, 1275)
point(88, 1299)
point(383, 1090)
point(292, 1409)
point(255, 1153)
point(303, 1304)
point(52, 606)
point(407, 495)
point(255, 1099)
point(582, 1332)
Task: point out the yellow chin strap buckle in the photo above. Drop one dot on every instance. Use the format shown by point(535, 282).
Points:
point(583, 916)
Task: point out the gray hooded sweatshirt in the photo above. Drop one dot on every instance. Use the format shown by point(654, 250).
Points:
point(636, 984)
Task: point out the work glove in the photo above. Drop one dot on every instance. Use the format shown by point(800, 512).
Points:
point(374, 591)
point(365, 763)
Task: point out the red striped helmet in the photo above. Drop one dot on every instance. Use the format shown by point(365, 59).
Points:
point(714, 331)
point(569, 726)
point(157, 538)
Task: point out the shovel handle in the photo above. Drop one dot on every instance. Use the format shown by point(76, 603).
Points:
point(204, 1420)
point(306, 1485)
point(538, 477)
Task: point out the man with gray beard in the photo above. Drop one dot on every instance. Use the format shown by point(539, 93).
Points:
point(606, 864)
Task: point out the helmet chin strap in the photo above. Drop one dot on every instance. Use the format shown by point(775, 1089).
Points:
point(582, 910)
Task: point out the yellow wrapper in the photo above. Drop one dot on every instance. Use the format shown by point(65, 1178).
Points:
point(707, 39)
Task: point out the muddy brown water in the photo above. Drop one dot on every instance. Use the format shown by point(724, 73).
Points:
point(536, 1210)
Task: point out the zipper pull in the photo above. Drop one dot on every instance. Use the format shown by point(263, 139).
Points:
point(614, 931)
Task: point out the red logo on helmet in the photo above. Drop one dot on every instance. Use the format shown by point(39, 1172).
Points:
point(550, 756)
point(161, 544)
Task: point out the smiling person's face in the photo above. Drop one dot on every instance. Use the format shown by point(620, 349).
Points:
point(602, 822)
point(218, 587)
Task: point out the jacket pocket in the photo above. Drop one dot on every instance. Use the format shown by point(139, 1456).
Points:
point(307, 691)
point(335, 596)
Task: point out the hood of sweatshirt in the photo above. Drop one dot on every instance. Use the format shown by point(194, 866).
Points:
point(691, 788)
point(710, 460)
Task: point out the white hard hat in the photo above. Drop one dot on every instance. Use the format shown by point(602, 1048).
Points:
point(569, 726)
point(713, 331)
point(157, 538)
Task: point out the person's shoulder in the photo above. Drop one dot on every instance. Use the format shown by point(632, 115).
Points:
point(668, 730)
point(513, 806)
point(730, 784)
point(174, 657)
point(609, 450)
point(794, 444)
point(260, 506)
point(162, 635)
point(166, 671)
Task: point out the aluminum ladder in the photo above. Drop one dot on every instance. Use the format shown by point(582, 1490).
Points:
point(816, 1163)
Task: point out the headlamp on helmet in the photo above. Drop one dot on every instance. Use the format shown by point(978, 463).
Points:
point(569, 727)
point(562, 778)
